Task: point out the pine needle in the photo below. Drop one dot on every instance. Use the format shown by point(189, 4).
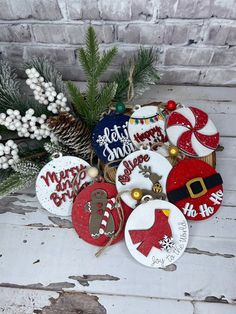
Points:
point(90, 105)
point(144, 74)
point(15, 181)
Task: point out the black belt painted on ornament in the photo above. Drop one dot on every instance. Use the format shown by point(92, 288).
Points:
point(195, 188)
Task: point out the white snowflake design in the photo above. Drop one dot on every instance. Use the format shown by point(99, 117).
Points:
point(125, 140)
point(167, 243)
point(101, 140)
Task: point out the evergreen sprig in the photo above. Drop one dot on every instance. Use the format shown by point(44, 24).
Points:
point(8, 78)
point(96, 100)
point(14, 182)
point(144, 74)
point(53, 148)
point(10, 94)
point(27, 167)
point(48, 71)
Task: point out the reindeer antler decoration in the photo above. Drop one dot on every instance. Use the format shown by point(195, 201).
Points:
point(156, 191)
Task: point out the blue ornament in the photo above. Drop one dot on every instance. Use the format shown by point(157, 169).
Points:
point(110, 138)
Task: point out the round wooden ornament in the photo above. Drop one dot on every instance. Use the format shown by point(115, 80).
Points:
point(156, 233)
point(191, 130)
point(146, 126)
point(143, 169)
point(95, 214)
point(110, 138)
point(54, 187)
point(195, 188)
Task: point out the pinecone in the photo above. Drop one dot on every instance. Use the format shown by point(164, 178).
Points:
point(71, 133)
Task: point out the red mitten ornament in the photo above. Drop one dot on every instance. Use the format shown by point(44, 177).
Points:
point(95, 214)
point(191, 130)
point(195, 188)
point(156, 233)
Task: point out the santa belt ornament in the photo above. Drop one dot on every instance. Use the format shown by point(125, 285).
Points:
point(195, 188)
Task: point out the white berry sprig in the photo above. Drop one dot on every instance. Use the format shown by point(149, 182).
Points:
point(45, 93)
point(8, 154)
point(28, 125)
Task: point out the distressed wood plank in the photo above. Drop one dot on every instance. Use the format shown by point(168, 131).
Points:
point(54, 255)
point(24, 301)
point(223, 224)
point(189, 94)
point(213, 308)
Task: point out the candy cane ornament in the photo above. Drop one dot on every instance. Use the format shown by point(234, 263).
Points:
point(191, 130)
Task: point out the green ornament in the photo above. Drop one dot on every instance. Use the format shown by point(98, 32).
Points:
point(120, 107)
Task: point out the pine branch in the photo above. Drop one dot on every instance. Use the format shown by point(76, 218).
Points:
point(90, 105)
point(105, 61)
point(79, 103)
point(84, 61)
point(106, 95)
point(8, 78)
point(144, 74)
point(14, 182)
point(10, 96)
point(53, 148)
point(27, 167)
point(48, 71)
point(5, 173)
point(92, 48)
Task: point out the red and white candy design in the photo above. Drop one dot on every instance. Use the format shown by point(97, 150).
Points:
point(106, 215)
point(192, 131)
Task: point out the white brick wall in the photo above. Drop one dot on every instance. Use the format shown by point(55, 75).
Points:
point(195, 40)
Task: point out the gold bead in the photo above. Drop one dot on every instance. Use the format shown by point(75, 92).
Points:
point(137, 194)
point(173, 151)
point(92, 172)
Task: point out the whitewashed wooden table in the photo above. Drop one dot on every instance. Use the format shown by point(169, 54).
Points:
point(46, 268)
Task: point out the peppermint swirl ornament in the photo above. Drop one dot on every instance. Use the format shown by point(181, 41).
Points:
point(54, 184)
point(110, 138)
point(191, 130)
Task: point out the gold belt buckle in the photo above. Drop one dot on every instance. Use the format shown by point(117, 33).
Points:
point(204, 189)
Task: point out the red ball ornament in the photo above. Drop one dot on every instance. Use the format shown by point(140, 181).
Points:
point(171, 105)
